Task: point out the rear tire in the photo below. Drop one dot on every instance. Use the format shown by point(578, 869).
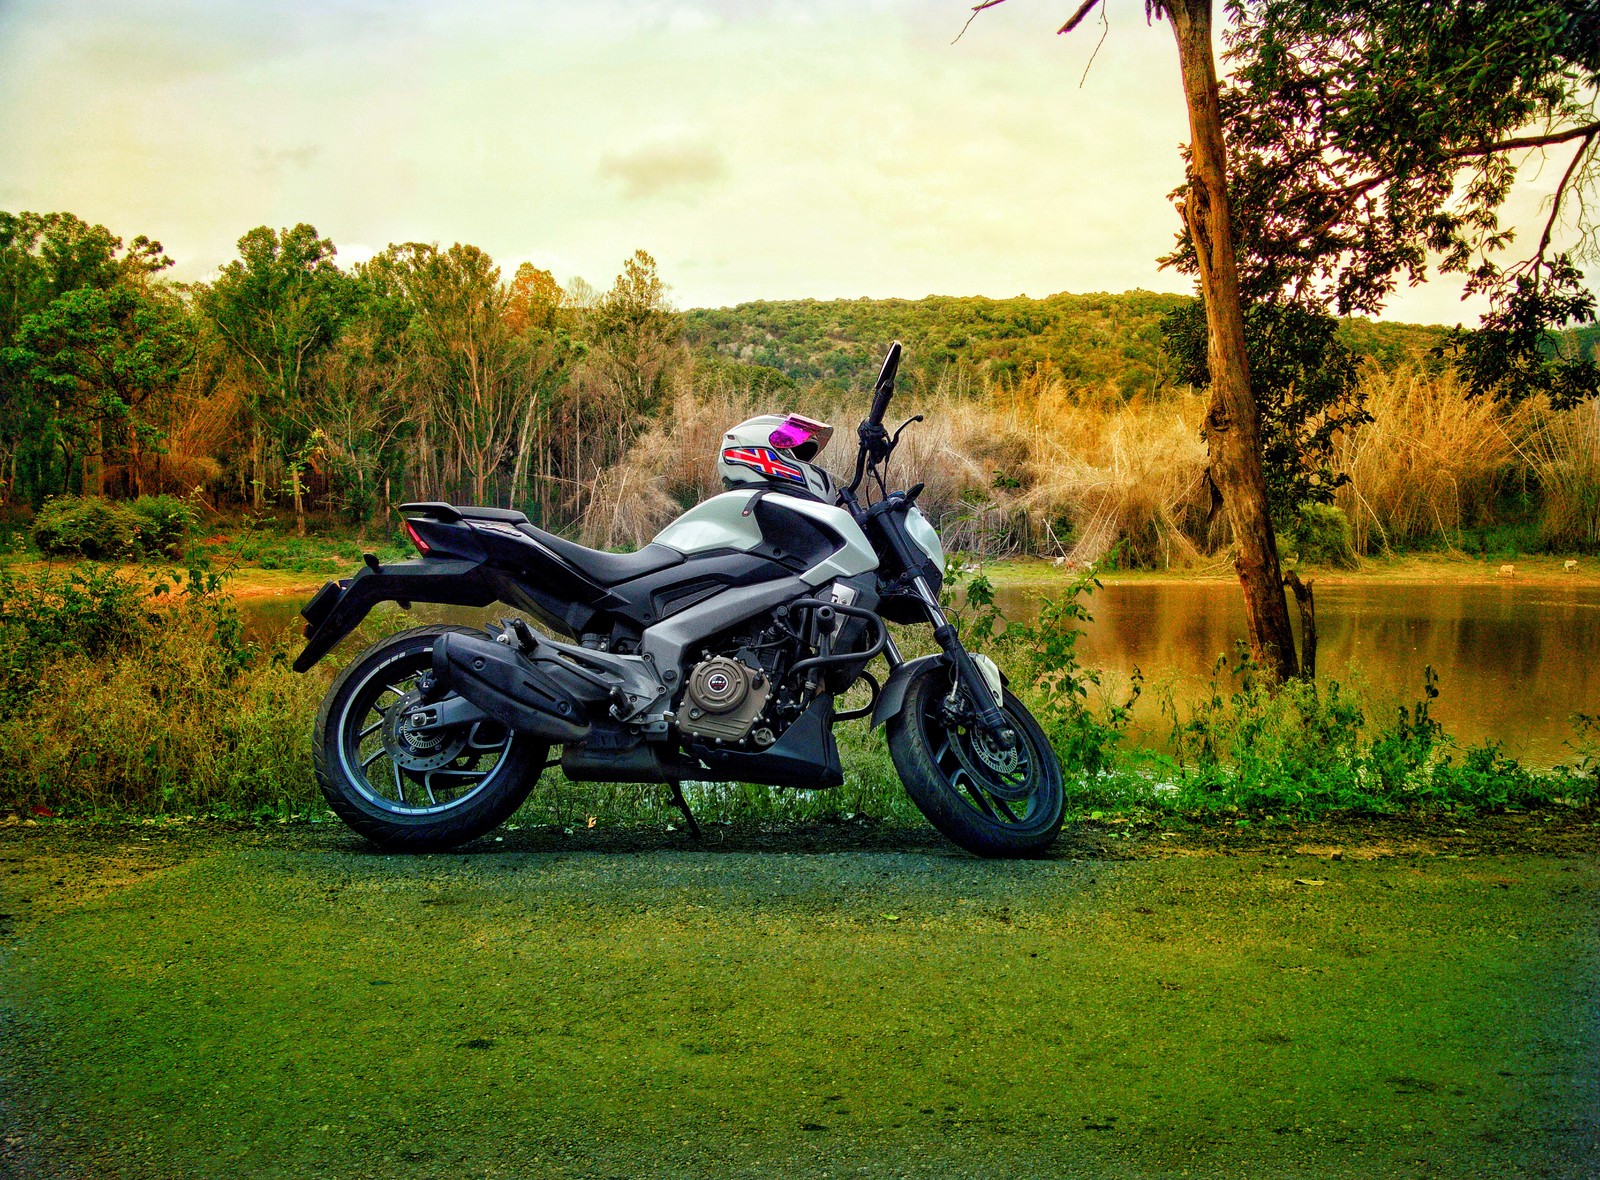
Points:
point(991, 802)
point(413, 793)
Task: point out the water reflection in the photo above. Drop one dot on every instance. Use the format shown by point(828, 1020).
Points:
point(1514, 661)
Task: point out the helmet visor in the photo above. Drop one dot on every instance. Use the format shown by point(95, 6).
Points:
point(797, 430)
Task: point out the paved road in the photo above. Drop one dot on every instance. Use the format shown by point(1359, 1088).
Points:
point(198, 1003)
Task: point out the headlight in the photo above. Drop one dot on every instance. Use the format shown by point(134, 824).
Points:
point(926, 537)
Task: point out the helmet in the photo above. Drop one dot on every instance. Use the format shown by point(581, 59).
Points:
point(776, 450)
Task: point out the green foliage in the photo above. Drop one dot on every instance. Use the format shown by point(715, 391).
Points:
point(1309, 749)
point(84, 336)
point(104, 530)
point(1365, 140)
point(129, 694)
point(1096, 340)
point(165, 523)
point(101, 530)
point(1320, 534)
point(1303, 375)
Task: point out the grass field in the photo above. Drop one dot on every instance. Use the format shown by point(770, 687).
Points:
point(830, 1001)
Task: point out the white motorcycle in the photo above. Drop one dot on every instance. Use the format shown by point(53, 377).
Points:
point(714, 653)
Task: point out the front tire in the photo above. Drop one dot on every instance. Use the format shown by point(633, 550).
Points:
point(992, 802)
point(408, 792)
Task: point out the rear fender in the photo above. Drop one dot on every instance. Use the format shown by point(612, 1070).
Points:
point(338, 608)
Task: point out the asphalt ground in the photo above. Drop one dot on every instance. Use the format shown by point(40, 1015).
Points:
point(1381, 1000)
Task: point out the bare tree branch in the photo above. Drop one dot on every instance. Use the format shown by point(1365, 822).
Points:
point(1555, 201)
point(1076, 18)
point(976, 8)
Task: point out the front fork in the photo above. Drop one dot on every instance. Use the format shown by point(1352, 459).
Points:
point(967, 673)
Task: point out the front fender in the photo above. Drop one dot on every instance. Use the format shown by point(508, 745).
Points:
point(892, 697)
point(338, 608)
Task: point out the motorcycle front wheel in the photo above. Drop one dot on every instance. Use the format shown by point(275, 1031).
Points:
point(991, 801)
point(414, 792)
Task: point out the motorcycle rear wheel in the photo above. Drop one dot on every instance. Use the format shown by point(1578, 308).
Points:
point(414, 792)
point(990, 801)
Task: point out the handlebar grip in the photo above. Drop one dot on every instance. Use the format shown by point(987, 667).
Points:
point(884, 389)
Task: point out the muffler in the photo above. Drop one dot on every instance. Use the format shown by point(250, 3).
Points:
point(508, 687)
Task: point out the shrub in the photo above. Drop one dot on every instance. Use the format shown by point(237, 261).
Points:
point(70, 526)
point(120, 694)
point(1321, 535)
point(165, 523)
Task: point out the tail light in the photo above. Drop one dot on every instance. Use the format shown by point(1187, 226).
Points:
point(416, 539)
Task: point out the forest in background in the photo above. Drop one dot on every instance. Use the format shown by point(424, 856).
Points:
point(291, 388)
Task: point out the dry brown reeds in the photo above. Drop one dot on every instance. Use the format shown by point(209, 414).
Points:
point(1045, 467)
point(1562, 452)
point(1431, 460)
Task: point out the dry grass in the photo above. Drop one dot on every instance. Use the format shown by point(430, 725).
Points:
point(1049, 468)
point(1431, 460)
point(1562, 452)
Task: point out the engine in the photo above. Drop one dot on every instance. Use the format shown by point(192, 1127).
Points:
point(723, 699)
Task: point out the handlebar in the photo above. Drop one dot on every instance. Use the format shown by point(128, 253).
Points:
point(884, 389)
point(875, 443)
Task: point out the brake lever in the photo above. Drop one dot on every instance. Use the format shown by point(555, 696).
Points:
point(895, 441)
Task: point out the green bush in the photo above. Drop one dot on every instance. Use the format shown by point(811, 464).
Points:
point(165, 523)
point(121, 694)
point(1321, 535)
point(70, 526)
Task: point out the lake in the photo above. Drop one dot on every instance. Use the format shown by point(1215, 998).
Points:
point(1514, 660)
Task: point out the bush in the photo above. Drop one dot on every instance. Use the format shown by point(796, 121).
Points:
point(119, 694)
point(70, 526)
point(1321, 535)
point(165, 523)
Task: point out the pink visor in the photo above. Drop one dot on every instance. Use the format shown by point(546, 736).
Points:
point(797, 429)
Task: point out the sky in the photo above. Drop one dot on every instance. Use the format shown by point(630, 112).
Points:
point(759, 149)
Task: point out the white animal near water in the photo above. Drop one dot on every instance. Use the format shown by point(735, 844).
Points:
point(1508, 571)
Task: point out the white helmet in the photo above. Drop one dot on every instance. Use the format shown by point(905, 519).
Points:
point(775, 450)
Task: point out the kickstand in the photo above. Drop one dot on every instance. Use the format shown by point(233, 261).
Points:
point(683, 806)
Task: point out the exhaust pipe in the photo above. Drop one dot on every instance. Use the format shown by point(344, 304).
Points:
point(506, 686)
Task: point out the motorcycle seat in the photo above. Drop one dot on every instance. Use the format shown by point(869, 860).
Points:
point(605, 569)
point(600, 567)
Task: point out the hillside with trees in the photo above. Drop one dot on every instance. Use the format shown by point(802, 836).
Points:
point(293, 391)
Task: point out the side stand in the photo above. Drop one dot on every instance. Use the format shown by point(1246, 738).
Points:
point(683, 806)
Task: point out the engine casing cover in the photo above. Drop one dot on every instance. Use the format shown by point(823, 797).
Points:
point(723, 699)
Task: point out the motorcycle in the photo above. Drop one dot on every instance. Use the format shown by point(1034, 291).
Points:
point(714, 653)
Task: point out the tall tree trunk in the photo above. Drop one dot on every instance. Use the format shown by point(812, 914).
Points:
point(1232, 422)
point(299, 502)
point(94, 467)
point(258, 474)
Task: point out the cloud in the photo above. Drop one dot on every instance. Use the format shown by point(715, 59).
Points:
point(654, 169)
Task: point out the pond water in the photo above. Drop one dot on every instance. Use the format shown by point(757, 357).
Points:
point(1514, 661)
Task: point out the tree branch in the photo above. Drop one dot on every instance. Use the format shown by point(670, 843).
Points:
point(1076, 18)
point(1555, 201)
point(976, 8)
point(1351, 193)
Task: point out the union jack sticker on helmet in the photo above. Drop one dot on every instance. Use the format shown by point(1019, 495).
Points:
point(765, 460)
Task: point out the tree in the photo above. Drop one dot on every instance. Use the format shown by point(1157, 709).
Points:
point(100, 355)
point(634, 335)
point(1303, 380)
point(1367, 139)
point(1232, 424)
point(44, 256)
point(479, 354)
point(278, 307)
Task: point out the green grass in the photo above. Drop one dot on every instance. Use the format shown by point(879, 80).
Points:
point(298, 1006)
